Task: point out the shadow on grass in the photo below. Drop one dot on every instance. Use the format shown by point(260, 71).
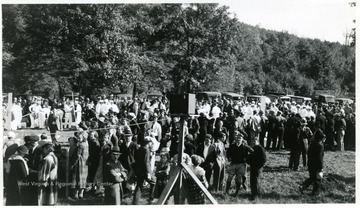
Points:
point(338, 178)
point(274, 196)
point(279, 152)
point(281, 168)
point(342, 198)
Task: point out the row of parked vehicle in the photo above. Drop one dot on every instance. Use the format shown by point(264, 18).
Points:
point(268, 98)
point(271, 97)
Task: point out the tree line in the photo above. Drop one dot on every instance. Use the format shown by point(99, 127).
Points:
point(99, 48)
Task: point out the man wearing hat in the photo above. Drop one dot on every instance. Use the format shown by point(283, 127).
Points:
point(114, 175)
point(271, 130)
point(280, 129)
point(31, 198)
point(316, 163)
point(18, 171)
point(304, 137)
point(51, 123)
point(237, 154)
point(256, 160)
point(340, 127)
point(203, 128)
point(263, 127)
point(142, 171)
point(127, 149)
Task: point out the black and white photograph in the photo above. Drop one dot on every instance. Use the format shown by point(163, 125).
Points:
point(178, 102)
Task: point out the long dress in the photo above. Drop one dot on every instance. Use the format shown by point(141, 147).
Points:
point(78, 156)
point(83, 153)
point(48, 176)
point(18, 171)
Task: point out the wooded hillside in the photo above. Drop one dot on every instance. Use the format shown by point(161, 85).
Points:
point(162, 47)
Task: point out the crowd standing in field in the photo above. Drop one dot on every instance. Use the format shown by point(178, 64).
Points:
point(113, 151)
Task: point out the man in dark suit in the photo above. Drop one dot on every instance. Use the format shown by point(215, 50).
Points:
point(128, 149)
point(142, 171)
point(315, 163)
point(203, 128)
point(321, 119)
point(207, 151)
point(31, 197)
point(256, 161)
point(51, 124)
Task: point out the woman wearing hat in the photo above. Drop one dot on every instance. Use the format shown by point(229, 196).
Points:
point(79, 153)
point(105, 149)
point(48, 175)
point(18, 171)
point(114, 175)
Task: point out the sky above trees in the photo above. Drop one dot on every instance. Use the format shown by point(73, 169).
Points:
point(322, 19)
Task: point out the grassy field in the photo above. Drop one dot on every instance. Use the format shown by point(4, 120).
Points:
point(279, 185)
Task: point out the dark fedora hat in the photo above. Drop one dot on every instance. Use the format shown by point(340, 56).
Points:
point(116, 150)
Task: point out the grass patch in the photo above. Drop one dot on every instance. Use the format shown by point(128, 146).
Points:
point(279, 185)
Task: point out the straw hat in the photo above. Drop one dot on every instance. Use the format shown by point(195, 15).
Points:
point(11, 134)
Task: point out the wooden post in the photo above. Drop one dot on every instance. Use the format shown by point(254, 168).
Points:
point(181, 141)
point(67, 172)
point(206, 192)
point(170, 185)
point(178, 173)
point(9, 113)
point(180, 159)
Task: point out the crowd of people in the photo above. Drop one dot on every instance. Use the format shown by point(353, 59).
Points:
point(113, 151)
